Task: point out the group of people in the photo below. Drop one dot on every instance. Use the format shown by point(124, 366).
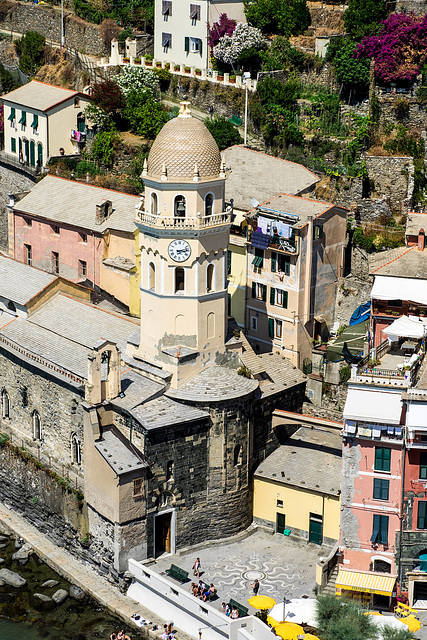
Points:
point(230, 612)
point(119, 636)
point(202, 591)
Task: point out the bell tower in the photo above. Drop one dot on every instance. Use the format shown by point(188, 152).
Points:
point(184, 224)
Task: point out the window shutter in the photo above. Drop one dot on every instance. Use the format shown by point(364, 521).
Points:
point(422, 512)
point(272, 295)
point(287, 265)
point(383, 529)
point(264, 293)
point(187, 44)
point(285, 299)
point(375, 528)
point(228, 262)
point(200, 47)
point(271, 327)
point(273, 261)
point(253, 289)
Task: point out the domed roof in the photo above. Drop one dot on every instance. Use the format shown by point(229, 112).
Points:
point(183, 143)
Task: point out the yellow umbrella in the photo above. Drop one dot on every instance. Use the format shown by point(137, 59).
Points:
point(262, 602)
point(310, 636)
point(272, 622)
point(289, 630)
point(412, 623)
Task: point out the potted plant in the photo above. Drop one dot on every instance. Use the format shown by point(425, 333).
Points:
point(158, 65)
point(187, 69)
point(177, 67)
point(149, 60)
point(198, 72)
point(137, 61)
point(126, 60)
point(167, 66)
point(232, 79)
point(220, 78)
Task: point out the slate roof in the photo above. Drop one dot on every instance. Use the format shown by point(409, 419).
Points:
point(403, 262)
point(163, 412)
point(257, 175)
point(302, 207)
point(293, 463)
point(415, 222)
point(214, 384)
point(282, 373)
point(136, 389)
point(19, 282)
point(74, 203)
point(39, 95)
point(121, 457)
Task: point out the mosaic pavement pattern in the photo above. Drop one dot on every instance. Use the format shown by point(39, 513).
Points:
point(284, 568)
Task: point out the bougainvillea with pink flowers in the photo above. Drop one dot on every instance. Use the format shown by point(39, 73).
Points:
point(399, 49)
point(224, 27)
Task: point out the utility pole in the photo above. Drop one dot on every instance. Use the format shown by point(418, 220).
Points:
point(246, 78)
point(62, 25)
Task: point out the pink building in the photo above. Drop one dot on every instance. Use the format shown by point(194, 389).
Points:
point(78, 231)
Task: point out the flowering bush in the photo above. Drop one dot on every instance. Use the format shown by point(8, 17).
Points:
point(98, 117)
point(400, 48)
point(138, 79)
point(244, 37)
point(224, 27)
point(107, 96)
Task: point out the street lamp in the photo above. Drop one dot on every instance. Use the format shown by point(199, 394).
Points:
point(246, 78)
point(62, 25)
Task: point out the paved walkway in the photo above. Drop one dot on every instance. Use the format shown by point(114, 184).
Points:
point(285, 568)
point(75, 572)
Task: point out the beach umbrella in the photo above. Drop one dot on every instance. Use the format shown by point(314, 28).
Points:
point(272, 622)
point(310, 636)
point(289, 630)
point(262, 602)
point(412, 623)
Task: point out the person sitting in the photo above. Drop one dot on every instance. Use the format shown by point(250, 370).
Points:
point(193, 588)
point(234, 613)
point(223, 607)
point(208, 593)
point(200, 588)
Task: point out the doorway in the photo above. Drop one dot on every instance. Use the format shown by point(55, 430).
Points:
point(163, 534)
point(280, 522)
point(315, 532)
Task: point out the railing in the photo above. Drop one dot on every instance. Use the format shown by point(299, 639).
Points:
point(10, 161)
point(184, 222)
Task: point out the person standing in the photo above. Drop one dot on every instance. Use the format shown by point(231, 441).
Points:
point(196, 568)
point(255, 586)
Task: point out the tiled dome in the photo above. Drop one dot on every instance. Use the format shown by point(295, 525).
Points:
point(183, 143)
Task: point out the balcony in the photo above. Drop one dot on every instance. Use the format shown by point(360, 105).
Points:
point(185, 222)
point(78, 136)
point(289, 246)
point(390, 367)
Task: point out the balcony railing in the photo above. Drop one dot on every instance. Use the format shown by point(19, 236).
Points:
point(185, 222)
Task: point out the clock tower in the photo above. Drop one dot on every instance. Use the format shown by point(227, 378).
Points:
point(184, 226)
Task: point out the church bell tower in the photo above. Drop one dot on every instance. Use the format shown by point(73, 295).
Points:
point(184, 226)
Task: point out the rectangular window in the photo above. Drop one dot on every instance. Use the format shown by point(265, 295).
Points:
point(35, 123)
point(28, 254)
point(56, 229)
point(194, 11)
point(382, 459)
point(23, 118)
point(422, 515)
point(82, 268)
point(318, 231)
point(395, 303)
point(83, 237)
point(166, 40)
point(284, 264)
point(138, 487)
point(55, 262)
point(13, 145)
point(423, 465)
point(254, 323)
point(12, 115)
point(229, 254)
point(380, 529)
point(273, 261)
point(279, 297)
point(259, 291)
point(166, 7)
point(271, 327)
point(279, 503)
point(381, 489)
point(195, 45)
point(278, 325)
point(28, 222)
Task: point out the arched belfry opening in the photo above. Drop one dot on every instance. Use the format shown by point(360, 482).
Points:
point(103, 381)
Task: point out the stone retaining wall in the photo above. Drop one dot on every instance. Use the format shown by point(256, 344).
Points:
point(20, 17)
point(10, 182)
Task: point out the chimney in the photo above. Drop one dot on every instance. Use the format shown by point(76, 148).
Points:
point(103, 211)
point(421, 240)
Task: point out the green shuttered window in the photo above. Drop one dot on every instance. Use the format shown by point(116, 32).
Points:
point(381, 489)
point(382, 459)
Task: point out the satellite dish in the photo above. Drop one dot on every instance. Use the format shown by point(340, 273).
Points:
point(254, 203)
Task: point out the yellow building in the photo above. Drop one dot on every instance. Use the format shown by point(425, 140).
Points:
point(297, 488)
point(135, 279)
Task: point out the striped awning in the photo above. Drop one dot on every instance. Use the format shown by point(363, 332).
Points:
point(379, 583)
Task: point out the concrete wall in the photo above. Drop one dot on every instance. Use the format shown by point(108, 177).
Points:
point(298, 503)
point(237, 283)
point(114, 280)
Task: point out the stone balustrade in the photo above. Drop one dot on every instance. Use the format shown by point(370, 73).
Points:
point(186, 222)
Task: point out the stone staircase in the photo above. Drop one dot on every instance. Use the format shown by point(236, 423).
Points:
point(330, 587)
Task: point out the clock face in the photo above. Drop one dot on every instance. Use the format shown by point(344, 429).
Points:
point(179, 250)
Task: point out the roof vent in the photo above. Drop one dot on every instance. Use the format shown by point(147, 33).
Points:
point(103, 211)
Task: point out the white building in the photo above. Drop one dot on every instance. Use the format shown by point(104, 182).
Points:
point(40, 119)
point(181, 29)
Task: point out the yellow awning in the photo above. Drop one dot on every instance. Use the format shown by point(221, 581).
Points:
point(379, 583)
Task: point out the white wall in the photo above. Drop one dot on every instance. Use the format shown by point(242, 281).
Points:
point(189, 614)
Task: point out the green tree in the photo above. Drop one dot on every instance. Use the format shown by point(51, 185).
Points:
point(223, 131)
point(389, 633)
point(30, 49)
point(7, 81)
point(281, 17)
point(349, 70)
point(145, 115)
point(282, 55)
point(338, 619)
point(104, 147)
point(362, 17)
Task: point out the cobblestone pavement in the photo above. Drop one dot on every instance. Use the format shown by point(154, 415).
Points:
point(285, 568)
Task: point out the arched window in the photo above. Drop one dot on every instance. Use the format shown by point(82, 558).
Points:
point(37, 426)
point(76, 449)
point(32, 153)
point(154, 204)
point(179, 279)
point(179, 207)
point(152, 276)
point(382, 566)
point(105, 364)
point(210, 323)
point(237, 455)
point(169, 470)
point(5, 404)
point(209, 200)
point(39, 154)
point(210, 278)
point(81, 122)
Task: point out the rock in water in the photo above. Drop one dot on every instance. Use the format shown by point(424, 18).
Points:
point(50, 583)
point(76, 592)
point(42, 602)
point(23, 554)
point(12, 578)
point(59, 596)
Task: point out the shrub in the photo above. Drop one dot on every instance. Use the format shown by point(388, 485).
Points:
point(281, 17)
point(349, 69)
point(363, 17)
point(224, 27)
point(281, 55)
point(108, 30)
point(84, 167)
point(137, 79)
point(4, 439)
point(223, 131)
point(245, 37)
point(30, 49)
point(104, 147)
point(145, 115)
point(107, 96)
point(164, 76)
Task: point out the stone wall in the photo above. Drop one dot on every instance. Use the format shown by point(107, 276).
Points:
point(15, 183)
point(226, 101)
point(20, 17)
point(393, 108)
